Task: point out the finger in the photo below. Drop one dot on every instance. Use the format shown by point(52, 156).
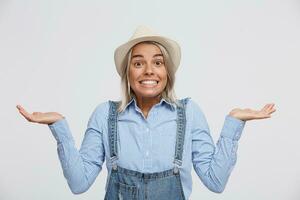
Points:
point(27, 115)
point(268, 113)
point(265, 108)
point(23, 111)
point(20, 107)
point(270, 109)
point(273, 110)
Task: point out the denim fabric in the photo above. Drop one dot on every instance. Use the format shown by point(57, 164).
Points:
point(129, 184)
point(147, 145)
point(126, 184)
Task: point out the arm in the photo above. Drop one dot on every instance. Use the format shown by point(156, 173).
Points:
point(80, 168)
point(213, 164)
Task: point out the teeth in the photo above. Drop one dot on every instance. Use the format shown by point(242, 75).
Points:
point(149, 82)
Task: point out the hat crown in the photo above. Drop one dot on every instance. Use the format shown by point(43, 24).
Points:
point(142, 31)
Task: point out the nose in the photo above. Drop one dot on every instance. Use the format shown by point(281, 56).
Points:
point(148, 69)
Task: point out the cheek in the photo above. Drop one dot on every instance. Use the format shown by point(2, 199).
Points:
point(164, 77)
point(164, 82)
point(133, 76)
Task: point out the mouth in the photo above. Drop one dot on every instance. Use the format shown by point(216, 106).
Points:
point(149, 82)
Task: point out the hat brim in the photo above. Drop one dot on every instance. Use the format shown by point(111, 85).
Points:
point(171, 46)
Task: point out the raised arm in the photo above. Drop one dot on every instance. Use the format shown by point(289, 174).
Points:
point(214, 163)
point(80, 168)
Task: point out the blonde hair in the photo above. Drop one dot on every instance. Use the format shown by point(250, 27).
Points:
point(168, 93)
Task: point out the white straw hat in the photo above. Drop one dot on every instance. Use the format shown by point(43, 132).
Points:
point(143, 33)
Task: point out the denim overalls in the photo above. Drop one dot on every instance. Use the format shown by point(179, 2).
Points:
point(125, 184)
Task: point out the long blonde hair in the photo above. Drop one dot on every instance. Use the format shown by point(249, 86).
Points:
point(168, 93)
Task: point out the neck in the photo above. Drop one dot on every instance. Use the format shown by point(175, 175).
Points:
point(145, 104)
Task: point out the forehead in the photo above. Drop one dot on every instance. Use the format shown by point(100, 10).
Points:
point(145, 48)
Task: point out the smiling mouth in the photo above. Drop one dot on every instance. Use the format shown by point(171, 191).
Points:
point(148, 82)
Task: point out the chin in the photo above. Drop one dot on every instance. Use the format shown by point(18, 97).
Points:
point(149, 95)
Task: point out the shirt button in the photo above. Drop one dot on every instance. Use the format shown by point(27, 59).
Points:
point(147, 153)
point(147, 129)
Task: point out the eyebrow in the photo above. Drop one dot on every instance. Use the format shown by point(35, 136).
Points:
point(138, 55)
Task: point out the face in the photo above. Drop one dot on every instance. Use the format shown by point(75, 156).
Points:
point(147, 72)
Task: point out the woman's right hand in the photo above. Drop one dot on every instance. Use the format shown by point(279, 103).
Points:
point(39, 117)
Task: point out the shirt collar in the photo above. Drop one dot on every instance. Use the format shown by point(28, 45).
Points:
point(171, 105)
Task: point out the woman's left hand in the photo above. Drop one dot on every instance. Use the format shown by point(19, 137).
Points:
point(249, 114)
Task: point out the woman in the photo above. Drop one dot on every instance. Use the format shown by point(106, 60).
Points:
point(150, 140)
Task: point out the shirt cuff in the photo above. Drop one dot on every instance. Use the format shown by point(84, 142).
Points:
point(233, 127)
point(60, 130)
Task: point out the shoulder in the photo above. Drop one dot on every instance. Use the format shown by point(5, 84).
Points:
point(195, 116)
point(193, 109)
point(101, 110)
point(190, 104)
point(102, 107)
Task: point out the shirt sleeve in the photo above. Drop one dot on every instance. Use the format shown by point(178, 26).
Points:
point(214, 163)
point(80, 168)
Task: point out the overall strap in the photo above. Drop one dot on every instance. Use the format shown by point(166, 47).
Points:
point(180, 134)
point(112, 132)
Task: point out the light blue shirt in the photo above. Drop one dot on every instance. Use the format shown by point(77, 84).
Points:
point(148, 145)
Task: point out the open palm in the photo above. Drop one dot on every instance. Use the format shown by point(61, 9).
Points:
point(250, 114)
point(39, 117)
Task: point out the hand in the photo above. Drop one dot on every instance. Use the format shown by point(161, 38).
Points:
point(249, 114)
point(39, 117)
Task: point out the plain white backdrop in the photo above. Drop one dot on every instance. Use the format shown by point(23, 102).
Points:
point(58, 56)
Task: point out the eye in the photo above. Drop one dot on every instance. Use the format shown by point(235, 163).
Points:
point(137, 64)
point(158, 62)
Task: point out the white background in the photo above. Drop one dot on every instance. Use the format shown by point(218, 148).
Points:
point(58, 56)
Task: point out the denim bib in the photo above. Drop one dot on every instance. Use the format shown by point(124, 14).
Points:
point(126, 184)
